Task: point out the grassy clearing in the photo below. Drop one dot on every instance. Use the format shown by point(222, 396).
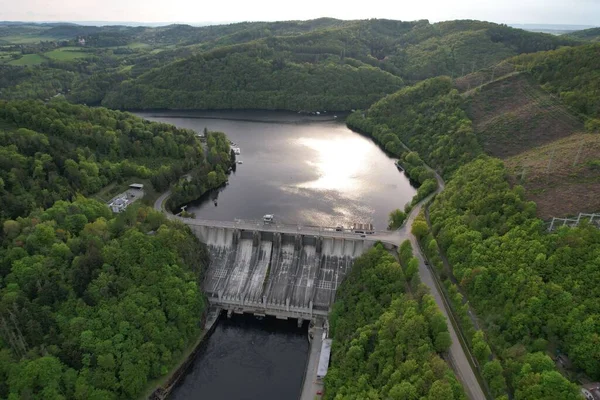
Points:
point(28, 59)
point(66, 54)
point(23, 39)
point(135, 45)
point(562, 177)
point(138, 45)
point(6, 57)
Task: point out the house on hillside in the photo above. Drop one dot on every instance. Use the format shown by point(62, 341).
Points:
point(591, 391)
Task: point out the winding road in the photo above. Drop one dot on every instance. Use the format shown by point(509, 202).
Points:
point(457, 357)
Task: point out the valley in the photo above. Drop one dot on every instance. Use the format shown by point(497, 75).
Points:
point(466, 137)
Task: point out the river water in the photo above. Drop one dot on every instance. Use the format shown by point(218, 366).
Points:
point(304, 170)
point(248, 359)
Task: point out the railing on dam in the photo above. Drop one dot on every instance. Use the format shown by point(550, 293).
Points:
point(303, 229)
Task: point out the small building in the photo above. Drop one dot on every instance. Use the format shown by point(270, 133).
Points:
point(81, 41)
point(136, 186)
point(324, 359)
point(119, 204)
point(363, 228)
point(591, 391)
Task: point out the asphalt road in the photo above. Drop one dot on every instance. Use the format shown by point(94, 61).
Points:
point(457, 355)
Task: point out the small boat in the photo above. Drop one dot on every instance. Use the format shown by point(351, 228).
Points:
point(400, 168)
point(240, 162)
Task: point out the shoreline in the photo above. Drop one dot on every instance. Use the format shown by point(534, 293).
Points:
point(173, 378)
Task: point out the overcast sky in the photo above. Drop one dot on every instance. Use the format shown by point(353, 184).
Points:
point(583, 12)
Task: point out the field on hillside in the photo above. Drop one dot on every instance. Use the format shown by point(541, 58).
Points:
point(562, 177)
point(66, 54)
point(513, 114)
point(28, 59)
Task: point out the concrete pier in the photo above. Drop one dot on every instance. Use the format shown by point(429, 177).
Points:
point(311, 385)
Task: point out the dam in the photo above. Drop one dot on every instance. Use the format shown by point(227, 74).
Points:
point(265, 271)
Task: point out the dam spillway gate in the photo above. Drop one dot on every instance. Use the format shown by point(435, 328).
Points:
point(272, 273)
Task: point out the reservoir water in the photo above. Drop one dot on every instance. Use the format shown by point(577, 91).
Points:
point(304, 170)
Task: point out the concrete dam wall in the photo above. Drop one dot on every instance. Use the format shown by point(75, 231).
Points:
point(272, 273)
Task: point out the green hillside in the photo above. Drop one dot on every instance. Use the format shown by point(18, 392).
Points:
point(340, 66)
point(590, 35)
point(243, 81)
point(315, 64)
point(50, 152)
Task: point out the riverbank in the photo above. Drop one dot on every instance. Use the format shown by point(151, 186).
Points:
point(162, 387)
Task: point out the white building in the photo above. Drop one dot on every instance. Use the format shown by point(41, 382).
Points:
point(119, 204)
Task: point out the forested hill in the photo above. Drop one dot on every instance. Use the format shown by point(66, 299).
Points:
point(245, 81)
point(92, 305)
point(591, 35)
point(311, 65)
point(52, 151)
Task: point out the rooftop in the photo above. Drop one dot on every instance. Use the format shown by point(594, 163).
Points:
point(136, 186)
point(324, 358)
point(119, 201)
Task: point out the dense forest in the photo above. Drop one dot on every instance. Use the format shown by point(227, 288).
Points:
point(387, 341)
point(50, 152)
point(242, 81)
point(535, 291)
point(93, 306)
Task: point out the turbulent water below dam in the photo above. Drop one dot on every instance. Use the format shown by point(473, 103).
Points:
point(304, 170)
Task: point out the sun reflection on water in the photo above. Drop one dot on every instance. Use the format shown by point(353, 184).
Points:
point(340, 162)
